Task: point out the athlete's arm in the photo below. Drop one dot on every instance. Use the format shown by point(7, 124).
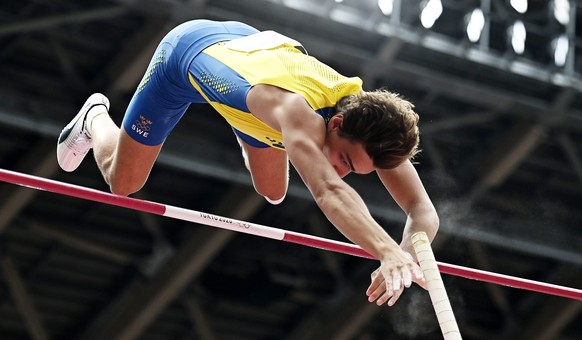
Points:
point(407, 190)
point(405, 186)
point(304, 136)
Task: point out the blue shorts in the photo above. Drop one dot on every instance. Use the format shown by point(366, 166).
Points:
point(165, 93)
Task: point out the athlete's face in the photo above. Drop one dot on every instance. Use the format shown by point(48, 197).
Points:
point(343, 155)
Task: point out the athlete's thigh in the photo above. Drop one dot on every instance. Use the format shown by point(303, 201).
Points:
point(145, 127)
point(269, 169)
point(151, 115)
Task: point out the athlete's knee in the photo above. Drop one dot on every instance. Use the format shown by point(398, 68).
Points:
point(131, 166)
point(275, 201)
point(124, 187)
point(273, 191)
point(273, 195)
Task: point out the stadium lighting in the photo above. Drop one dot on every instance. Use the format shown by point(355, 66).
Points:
point(519, 5)
point(517, 34)
point(562, 11)
point(475, 25)
point(430, 13)
point(561, 45)
point(386, 6)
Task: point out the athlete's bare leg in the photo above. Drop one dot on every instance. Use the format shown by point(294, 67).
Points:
point(124, 163)
point(269, 168)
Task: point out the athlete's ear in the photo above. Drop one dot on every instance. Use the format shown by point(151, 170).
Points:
point(335, 122)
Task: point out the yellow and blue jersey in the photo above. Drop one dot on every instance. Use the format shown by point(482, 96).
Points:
point(203, 61)
point(224, 73)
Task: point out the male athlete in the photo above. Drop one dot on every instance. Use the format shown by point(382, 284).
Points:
point(283, 105)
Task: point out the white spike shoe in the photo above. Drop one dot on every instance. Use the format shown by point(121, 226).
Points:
point(75, 139)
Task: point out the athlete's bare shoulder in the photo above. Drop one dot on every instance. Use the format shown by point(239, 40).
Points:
point(269, 103)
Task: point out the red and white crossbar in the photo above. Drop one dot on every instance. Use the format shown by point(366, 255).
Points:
point(62, 188)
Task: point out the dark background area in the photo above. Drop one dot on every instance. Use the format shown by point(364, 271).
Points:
point(502, 161)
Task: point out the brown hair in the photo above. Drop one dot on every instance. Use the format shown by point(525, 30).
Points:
point(384, 122)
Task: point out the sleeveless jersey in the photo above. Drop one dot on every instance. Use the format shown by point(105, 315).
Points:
point(224, 73)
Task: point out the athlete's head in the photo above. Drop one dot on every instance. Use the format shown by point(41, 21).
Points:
point(384, 123)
